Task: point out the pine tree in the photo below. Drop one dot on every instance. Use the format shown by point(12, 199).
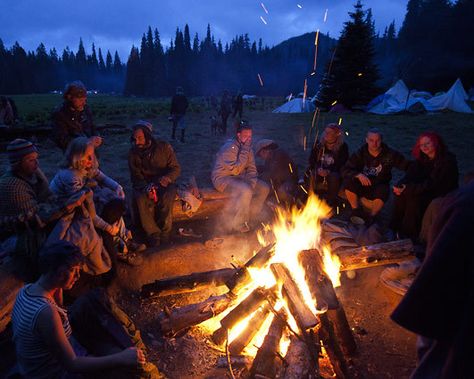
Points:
point(354, 73)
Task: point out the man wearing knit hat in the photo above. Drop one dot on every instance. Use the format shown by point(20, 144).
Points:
point(26, 202)
point(74, 118)
point(279, 171)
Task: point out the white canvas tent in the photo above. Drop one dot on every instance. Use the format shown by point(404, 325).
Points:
point(399, 98)
point(295, 106)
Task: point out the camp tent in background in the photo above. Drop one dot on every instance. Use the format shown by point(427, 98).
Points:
point(297, 105)
point(399, 99)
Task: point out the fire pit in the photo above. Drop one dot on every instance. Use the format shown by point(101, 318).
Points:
point(281, 315)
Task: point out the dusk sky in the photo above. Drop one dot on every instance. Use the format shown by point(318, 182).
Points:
point(117, 24)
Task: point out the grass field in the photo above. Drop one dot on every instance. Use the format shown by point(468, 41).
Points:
point(197, 154)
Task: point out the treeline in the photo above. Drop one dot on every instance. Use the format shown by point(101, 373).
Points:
point(207, 66)
point(433, 47)
point(44, 71)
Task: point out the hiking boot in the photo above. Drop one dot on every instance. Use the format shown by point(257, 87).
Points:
point(135, 247)
point(130, 259)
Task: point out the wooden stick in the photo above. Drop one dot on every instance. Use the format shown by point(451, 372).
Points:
point(334, 352)
point(246, 307)
point(178, 319)
point(255, 323)
point(298, 360)
point(300, 311)
point(187, 283)
point(265, 362)
point(376, 255)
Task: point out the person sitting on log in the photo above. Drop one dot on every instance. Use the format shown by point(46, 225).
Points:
point(445, 334)
point(326, 160)
point(81, 173)
point(434, 173)
point(279, 171)
point(42, 334)
point(154, 169)
point(74, 118)
point(235, 172)
point(28, 209)
point(368, 172)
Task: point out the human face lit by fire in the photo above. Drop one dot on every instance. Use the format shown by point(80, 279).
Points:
point(427, 147)
point(79, 102)
point(245, 136)
point(29, 164)
point(331, 135)
point(139, 139)
point(70, 275)
point(374, 142)
point(87, 160)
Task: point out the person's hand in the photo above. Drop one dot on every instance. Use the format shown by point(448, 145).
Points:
point(120, 193)
point(323, 172)
point(398, 190)
point(112, 229)
point(248, 142)
point(364, 180)
point(164, 181)
point(132, 356)
point(96, 140)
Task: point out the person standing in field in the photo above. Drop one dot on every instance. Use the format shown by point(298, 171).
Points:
point(179, 105)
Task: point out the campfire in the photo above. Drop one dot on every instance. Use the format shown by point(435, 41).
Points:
point(280, 316)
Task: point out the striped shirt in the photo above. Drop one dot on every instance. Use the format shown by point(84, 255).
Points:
point(35, 358)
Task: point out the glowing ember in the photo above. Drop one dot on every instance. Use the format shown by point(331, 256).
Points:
point(263, 20)
point(260, 79)
point(299, 6)
point(334, 102)
point(326, 15)
point(340, 121)
point(264, 8)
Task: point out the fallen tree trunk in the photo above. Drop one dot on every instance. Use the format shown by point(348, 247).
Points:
point(303, 315)
point(212, 205)
point(376, 255)
point(187, 283)
point(177, 319)
point(266, 361)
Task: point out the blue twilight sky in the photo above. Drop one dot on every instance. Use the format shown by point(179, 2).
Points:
point(117, 24)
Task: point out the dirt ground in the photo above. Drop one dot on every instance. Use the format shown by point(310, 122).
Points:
point(385, 350)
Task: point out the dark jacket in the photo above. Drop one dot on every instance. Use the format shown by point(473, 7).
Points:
point(377, 169)
point(150, 164)
point(277, 168)
point(432, 178)
point(69, 124)
point(332, 161)
point(440, 302)
point(179, 104)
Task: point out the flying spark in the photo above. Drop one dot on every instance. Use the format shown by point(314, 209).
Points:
point(359, 74)
point(304, 189)
point(291, 168)
point(304, 143)
point(260, 79)
point(263, 20)
point(263, 6)
point(347, 133)
point(340, 121)
point(334, 102)
point(326, 15)
point(299, 6)
point(313, 73)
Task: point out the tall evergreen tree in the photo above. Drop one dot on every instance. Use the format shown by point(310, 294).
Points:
point(353, 77)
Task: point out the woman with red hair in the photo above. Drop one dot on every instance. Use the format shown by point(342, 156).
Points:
point(433, 174)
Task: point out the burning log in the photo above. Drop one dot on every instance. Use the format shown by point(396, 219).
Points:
point(255, 323)
point(323, 291)
point(177, 319)
point(242, 277)
point(334, 352)
point(298, 360)
point(236, 361)
point(300, 311)
point(266, 361)
point(246, 307)
point(187, 283)
point(376, 255)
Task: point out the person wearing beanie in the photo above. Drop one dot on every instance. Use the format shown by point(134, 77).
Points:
point(154, 169)
point(235, 173)
point(326, 160)
point(27, 206)
point(279, 171)
point(73, 118)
